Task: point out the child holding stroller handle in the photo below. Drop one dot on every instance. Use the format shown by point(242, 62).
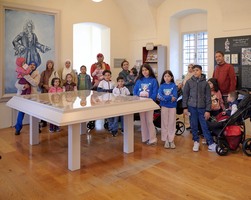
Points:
point(167, 94)
point(197, 100)
point(147, 86)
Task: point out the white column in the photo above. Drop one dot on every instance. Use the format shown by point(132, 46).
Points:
point(34, 133)
point(83, 129)
point(74, 141)
point(128, 134)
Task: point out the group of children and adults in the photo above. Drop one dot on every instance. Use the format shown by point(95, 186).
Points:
point(202, 100)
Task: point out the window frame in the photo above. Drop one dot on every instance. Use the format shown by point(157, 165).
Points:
point(184, 71)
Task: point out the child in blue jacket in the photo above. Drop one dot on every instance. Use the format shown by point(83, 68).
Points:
point(147, 86)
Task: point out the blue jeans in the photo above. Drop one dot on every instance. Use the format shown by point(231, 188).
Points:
point(198, 113)
point(121, 120)
point(113, 124)
point(19, 124)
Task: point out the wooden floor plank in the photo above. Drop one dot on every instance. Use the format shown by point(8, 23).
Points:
point(41, 171)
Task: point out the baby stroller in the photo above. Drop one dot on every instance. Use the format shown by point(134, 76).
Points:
point(231, 132)
point(180, 126)
point(91, 124)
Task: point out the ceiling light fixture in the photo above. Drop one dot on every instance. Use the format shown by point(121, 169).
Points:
point(96, 0)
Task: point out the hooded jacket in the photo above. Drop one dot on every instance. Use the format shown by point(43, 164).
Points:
point(20, 69)
point(197, 93)
point(33, 78)
point(146, 87)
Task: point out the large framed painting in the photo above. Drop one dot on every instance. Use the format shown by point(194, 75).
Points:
point(30, 32)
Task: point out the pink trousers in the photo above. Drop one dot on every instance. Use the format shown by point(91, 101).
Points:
point(168, 123)
point(147, 128)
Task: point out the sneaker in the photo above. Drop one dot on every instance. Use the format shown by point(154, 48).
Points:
point(172, 145)
point(17, 132)
point(151, 144)
point(212, 147)
point(57, 129)
point(166, 146)
point(188, 128)
point(51, 130)
point(196, 146)
point(114, 133)
point(122, 131)
point(146, 142)
point(110, 130)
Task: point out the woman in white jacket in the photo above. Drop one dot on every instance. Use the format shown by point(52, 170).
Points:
point(33, 78)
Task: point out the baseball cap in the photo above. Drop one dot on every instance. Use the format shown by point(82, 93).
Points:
point(100, 54)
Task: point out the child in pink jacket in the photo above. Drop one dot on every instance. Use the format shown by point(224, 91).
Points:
point(55, 83)
point(23, 69)
point(55, 89)
point(217, 104)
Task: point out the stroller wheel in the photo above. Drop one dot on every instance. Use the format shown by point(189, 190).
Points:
point(180, 128)
point(243, 135)
point(246, 147)
point(106, 125)
point(91, 125)
point(222, 148)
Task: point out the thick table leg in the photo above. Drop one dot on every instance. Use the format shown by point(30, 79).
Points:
point(74, 141)
point(128, 134)
point(34, 134)
point(83, 129)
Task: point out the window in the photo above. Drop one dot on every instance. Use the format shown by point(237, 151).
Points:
point(195, 50)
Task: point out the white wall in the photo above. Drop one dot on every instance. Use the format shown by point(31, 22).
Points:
point(193, 22)
point(174, 47)
point(105, 44)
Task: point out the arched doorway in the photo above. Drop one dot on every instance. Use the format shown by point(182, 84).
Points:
point(89, 39)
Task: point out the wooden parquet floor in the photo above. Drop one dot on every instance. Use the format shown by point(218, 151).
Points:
point(41, 171)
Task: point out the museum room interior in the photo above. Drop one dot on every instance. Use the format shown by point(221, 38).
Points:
point(121, 30)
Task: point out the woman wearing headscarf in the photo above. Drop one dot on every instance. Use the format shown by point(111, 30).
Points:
point(67, 69)
point(45, 76)
point(33, 78)
point(188, 75)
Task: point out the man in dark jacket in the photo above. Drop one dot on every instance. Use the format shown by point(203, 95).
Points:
point(197, 100)
point(225, 75)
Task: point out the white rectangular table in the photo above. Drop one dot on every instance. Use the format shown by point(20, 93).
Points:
point(75, 109)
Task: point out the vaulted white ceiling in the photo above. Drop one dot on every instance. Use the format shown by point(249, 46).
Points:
point(141, 15)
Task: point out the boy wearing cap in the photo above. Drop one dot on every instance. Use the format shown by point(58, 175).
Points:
point(100, 59)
